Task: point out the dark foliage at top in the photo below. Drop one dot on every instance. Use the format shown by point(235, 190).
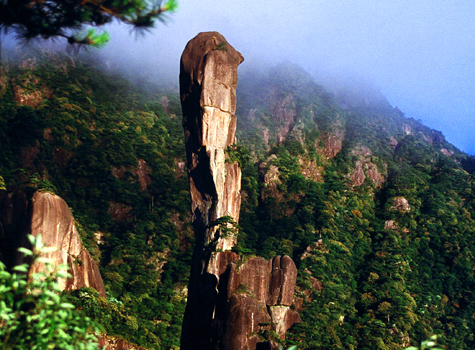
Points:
point(67, 19)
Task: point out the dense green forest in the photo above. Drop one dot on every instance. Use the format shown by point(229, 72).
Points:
point(374, 208)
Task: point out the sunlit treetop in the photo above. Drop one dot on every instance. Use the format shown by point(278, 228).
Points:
point(73, 19)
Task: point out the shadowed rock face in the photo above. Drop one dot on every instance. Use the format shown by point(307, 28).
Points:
point(49, 216)
point(227, 302)
point(271, 286)
point(13, 212)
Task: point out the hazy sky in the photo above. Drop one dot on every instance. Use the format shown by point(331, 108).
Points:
point(420, 53)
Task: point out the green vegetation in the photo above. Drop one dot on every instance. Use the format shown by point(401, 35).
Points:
point(390, 276)
point(33, 314)
point(385, 260)
point(426, 344)
point(221, 47)
point(113, 151)
point(237, 154)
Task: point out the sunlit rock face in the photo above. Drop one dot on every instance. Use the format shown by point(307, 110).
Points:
point(52, 219)
point(260, 295)
point(47, 215)
point(114, 343)
point(208, 80)
point(227, 301)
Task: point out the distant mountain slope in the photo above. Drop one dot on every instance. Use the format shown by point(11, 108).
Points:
point(375, 209)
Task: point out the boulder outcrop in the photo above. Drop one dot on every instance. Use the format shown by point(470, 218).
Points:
point(271, 287)
point(114, 343)
point(229, 302)
point(47, 215)
point(51, 218)
point(365, 168)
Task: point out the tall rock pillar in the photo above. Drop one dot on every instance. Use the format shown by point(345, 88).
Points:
point(229, 303)
point(208, 80)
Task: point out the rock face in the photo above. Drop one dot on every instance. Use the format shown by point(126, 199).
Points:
point(208, 80)
point(26, 97)
point(364, 168)
point(260, 296)
point(333, 141)
point(52, 219)
point(49, 216)
point(13, 212)
point(227, 302)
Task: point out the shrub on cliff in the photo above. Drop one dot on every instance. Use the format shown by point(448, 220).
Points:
point(33, 315)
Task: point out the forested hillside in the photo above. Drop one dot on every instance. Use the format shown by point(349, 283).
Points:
point(374, 208)
point(113, 150)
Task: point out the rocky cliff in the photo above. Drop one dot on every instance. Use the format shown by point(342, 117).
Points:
point(208, 80)
point(228, 302)
point(47, 215)
point(260, 296)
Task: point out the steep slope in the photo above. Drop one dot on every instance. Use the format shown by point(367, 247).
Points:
point(49, 216)
point(375, 209)
point(114, 152)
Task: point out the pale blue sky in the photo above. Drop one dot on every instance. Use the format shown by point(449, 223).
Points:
point(420, 53)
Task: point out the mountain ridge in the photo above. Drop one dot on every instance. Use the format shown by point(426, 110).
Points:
point(375, 208)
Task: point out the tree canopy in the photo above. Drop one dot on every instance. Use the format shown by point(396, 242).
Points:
point(73, 19)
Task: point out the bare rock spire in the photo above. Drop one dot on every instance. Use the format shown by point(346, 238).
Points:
point(208, 80)
point(227, 302)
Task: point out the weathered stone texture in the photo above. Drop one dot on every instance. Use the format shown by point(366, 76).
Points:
point(113, 343)
point(253, 276)
point(271, 286)
point(282, 281)
point(364, 167)
point(227, 300)
point(52, 219)
point(283, 113)
point(283, 318)
point(242, 325)
point(49, 216)
point(208, 80)
point(400, 204)
point(30, 97)
point(333, 141)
